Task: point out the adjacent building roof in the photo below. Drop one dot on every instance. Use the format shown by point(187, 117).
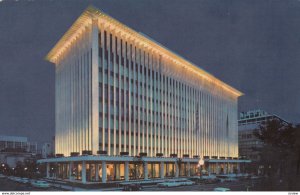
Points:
point(13, 138)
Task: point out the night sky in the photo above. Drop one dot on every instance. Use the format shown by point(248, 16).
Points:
point(252, 45)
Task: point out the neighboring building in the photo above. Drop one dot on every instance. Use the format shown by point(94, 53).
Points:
point(47, 150)
point(17, 143)
point(249, 145)
point(125, 102)
point(15, 148)
point(53, 144)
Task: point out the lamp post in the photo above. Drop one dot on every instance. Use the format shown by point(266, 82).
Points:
point(200, 164)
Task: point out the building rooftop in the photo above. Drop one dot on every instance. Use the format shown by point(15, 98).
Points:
point(91, 12)
point(253, 114)
point(13, 138)
point(254, 117)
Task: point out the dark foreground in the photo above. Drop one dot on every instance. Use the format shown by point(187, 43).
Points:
point(233, 186)
point(239, 185)
point(8, 185)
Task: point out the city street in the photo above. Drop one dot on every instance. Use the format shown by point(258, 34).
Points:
point(244, 185)
point(8, 185)
point(233, 186)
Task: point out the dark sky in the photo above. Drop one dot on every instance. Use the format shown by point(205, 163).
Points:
point(252, 45)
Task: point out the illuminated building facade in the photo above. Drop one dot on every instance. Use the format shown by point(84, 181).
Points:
point(139, 109)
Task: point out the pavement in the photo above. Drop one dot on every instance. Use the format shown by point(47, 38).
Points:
point(243, 185)
point(233, 186)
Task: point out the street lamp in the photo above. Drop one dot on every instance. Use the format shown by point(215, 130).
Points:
point(200, 164)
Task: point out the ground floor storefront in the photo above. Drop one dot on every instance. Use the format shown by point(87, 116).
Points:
point(107, 169)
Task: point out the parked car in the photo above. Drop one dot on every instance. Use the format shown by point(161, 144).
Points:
point(24, 180)
point(221, 189)
point(40, 184)
point(2, 176)
point(226, 178)
point(132, 187)
point(255, 177)
point(186, 183)
point(13, 178)
point(171, 183)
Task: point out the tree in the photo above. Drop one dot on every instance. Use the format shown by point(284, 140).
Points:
point(280, 153)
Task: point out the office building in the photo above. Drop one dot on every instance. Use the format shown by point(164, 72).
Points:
point(127, 103)
point(249, 121)
point(47, 150)
point(249, 145)
point(15, 149)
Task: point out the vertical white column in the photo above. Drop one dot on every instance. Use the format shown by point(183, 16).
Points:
point(187, 116)
point(175, 117)
point(147, 115)
point(159, 86)
point(109, 92)
point(97, 171)
point(145, 170)
point(126, 171)
point(134, 98)
point(83, 172)
point(166, 112)
point(212, 126)
point(186, 127)
point(95, 87)
point(161, 170)
point(154, 103)
point(190, 116)
point(103, 172)
point(81, 135)
point(217, 123)
point(142, 100)
point(199, 122)
point(181, 101)
point(62, 110)
point(218, 168)
point(189, 169)
point(192, 121)
point(202, 124)
point(103, 87)
point(86, 93)
point(150, 80)
point(176, 169)
point(129, 54)
point(138, 98)
point(117, 167)
point(56, 108)
point(114, 92)
point(124, 100)
point(71, 101)
point(169, 88)
point(47, 170)
point(82, 94)
point(71, 178)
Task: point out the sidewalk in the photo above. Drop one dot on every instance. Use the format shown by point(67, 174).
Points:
point(62, 185)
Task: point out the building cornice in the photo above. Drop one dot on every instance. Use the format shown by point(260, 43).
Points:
point(91, 13)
